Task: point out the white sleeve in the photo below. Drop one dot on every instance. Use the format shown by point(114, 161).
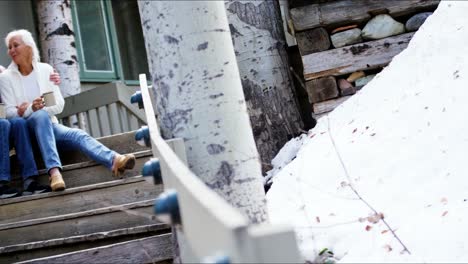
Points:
point(8, 97)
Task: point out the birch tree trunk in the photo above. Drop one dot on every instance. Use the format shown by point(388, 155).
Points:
point(260, 48)
point(199, 97)
point(57, 40)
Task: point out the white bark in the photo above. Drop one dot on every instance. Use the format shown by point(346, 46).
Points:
point(260, 47)
point(58, 43)
point(199, 97)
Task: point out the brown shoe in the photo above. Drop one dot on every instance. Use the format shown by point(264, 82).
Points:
point(122, 163)
point(56, 182)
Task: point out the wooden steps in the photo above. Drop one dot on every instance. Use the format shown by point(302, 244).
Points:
point(96, 219)
point(81, 223)
point(45, 248)
point(154, 249)
point(77, 199)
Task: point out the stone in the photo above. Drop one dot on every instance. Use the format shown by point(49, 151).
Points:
point(416, 21)
point(347, 37)
point(355, 75)
point(322, 89)
point(312, 41)
point(346, 88)
point(363, 81)
point(336, 30)
point(382, 26)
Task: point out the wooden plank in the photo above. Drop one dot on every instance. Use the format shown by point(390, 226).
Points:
point(104, 121)
point(79, 199)
point(53, 247)
point(322, 89)
point(94, 123)
point(133, 121)
point(123, 117)
point(338, 13)
point(82, 102)
point(82, 121)
point(79, 224)
point(145, 250)
point(114, 119)
point(364, 56)
point(88, 122)
point(312, 41)
point(327, 106)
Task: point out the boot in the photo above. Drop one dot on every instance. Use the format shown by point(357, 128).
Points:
point(122, 163)
point(56, 182)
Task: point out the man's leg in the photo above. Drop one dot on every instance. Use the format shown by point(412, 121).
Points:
point(5, 190)
point(24, 153)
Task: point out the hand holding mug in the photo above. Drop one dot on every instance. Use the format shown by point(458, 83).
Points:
point(38, 104)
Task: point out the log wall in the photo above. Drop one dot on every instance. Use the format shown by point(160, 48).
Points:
point(330, 74)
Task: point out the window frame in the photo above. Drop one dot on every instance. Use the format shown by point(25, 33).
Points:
point(112, 43)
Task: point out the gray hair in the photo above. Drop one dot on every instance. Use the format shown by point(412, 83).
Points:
point(27, 38)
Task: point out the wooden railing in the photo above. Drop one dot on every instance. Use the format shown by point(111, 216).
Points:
point(106, 111)
point(213, 230)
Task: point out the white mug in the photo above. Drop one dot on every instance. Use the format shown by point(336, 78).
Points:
point(49, 99)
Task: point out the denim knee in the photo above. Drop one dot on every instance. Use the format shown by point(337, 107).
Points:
point(18, 123)
point(4, 124)
point(39, 118)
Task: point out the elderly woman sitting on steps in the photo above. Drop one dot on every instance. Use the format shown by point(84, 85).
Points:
point(22, 85)
point(15, 131)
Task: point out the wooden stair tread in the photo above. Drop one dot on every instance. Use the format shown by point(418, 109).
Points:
point(104, 210)
point(83, 238)
point(72, 190)
point(82, 223)
point(145, 250)
point(90, 197)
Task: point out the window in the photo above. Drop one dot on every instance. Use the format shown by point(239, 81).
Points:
point(109, 40)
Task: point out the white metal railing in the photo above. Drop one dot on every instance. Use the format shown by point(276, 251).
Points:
point(214, 231)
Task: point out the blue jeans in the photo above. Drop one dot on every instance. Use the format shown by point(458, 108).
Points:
point(51, 137)
point(15, 131)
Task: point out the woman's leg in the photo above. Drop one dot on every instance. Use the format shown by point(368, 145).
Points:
point(40, 125)
point(76, 139)
point(5, 190)
point(22, 141)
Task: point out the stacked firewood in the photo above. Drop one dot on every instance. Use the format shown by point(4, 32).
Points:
point(344, 43)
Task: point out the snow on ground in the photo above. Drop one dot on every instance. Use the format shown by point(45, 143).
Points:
point(404, 142)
